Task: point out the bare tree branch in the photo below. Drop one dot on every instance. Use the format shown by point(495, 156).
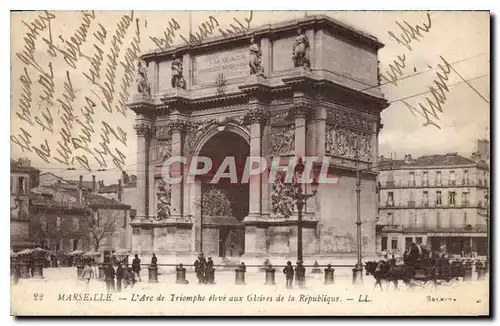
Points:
point(100, 230)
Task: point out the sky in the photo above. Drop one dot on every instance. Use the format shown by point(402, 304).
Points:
point(462, 38)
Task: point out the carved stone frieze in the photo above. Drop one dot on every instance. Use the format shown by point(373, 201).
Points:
point(178, 125)
point(348, 143)
point(349, 119)
point(278, 117)
point(282, 140)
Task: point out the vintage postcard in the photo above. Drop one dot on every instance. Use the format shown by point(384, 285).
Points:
point(177, 163)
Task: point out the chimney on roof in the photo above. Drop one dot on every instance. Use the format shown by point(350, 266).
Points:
point(80, 189)
point(94, 190)
point(125, 178)
point(120, 191)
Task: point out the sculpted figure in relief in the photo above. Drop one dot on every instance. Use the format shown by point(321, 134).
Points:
point(282, 198)
point(255, 58)
point(178, 80)
point(164, 151)
point(301, 50)
point(143, 86)
point(282, 141)
point(164, 204)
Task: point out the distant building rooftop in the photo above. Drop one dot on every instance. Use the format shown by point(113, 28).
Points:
point(437, 160)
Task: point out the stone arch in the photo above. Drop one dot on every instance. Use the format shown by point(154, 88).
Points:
point(213, 130)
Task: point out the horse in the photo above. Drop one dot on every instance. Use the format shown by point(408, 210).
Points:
point(385, 271)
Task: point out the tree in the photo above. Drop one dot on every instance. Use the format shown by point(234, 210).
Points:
point(100, 230)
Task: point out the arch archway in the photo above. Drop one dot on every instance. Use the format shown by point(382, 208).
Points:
point(224, 204)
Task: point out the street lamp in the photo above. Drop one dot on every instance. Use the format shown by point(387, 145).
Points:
point(300, 200)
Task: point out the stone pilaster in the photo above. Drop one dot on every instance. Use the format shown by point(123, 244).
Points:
point(143, 130)
point(256, 117)
point(178, 128)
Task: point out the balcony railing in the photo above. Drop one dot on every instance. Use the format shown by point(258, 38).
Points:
point(424, 204)
point(433, 183)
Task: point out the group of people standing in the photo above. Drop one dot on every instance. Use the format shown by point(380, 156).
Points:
point(122, 274)
point(299, 273)
point(204, 269)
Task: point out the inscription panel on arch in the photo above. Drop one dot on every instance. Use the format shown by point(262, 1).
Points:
point(232, 64)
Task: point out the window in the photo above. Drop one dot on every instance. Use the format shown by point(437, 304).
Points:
point(408, 242)
point(438, 219)
point(60, 245)
point(58, 223)
point(390, 198)
point(451, 198)
point(438, 177)
point(411, 200)
point(452, 178)
point(412, 178)
point(438, 198)
point(466, 221)
point(465, 199)
point(384, 243)
point(425, 195)
point(466, 177)
point(394, 244)
point(74, 244)
point(390, 218)
point(426, 178)
point(20, 186)
point(76, 224)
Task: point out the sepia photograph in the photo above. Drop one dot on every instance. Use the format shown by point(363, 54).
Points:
point(250, 163)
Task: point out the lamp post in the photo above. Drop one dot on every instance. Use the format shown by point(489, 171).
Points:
point(358, 268)
point(300, 200)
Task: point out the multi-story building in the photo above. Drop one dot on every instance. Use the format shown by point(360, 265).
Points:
point(438, 200)
point(22, 178)
point(67, 218)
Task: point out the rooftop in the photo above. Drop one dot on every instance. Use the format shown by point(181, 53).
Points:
point(329, 23)
point(58, 195)
point(22, 165)
point(437, 160)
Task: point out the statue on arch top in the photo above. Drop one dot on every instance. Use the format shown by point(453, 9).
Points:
point(301, 49)
point(178, 80)
point(143, 85)
point(255, 58)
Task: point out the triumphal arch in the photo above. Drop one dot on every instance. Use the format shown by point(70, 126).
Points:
point(303, 88)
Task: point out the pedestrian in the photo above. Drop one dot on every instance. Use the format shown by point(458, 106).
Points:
point(300, 274)
point(136, 267)
point(109, 274)
point(95, 270)
point(87, 274)
point(210, 271)
point(288, 271)
point(154, 260)
point(200, 268)
point(119, 276)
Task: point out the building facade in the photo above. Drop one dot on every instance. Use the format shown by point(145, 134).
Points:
point(307, 87)
point(438, 200)
point(22, 178)
point(65, 217)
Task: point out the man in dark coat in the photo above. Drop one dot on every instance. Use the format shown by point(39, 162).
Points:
point(154, 260)
point(136, 267)
point(300, 274)
point(109, 274)
point(288, 271)
point(119, 276)
point(200, 267)
point(210, 271)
